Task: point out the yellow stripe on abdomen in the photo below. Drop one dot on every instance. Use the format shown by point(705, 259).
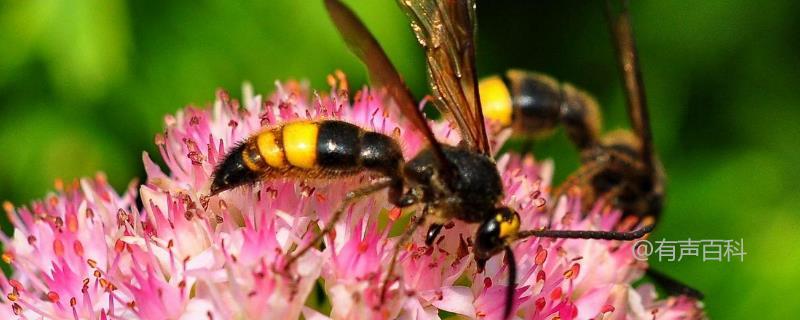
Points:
point(270, 151)
point(300, 143)
point(495, 100)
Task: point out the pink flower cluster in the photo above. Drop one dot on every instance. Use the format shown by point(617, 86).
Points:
point(87, 252)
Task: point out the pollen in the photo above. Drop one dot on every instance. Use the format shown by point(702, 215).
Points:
point(72, 223)
point(58, 222)
point(16, 285)
point(8, 207)
point(541, 256)
point(119, 246)
point(540, 303)
point(58, 247)
point(77, 247)
point(572, 272)
point(541, 276)
point(556, 294)
point(52, 296)
point(16, 308)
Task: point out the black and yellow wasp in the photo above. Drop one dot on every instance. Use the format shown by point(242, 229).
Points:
point(620, 167)
point(448, 182)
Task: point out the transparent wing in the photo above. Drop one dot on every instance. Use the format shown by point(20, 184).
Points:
point(627, 58)
point(446, 30)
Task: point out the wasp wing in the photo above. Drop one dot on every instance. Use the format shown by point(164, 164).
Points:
point(381, 70)
point(628, 61)
point(446, 30)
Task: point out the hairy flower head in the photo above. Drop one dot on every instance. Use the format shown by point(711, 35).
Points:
point(89, 252)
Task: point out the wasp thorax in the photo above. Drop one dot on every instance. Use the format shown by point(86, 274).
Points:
point(470, 194)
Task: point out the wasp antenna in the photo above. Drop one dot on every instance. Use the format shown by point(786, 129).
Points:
point(588, 234)
point(512, 283)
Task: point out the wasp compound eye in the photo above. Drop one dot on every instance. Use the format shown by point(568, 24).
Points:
point(487, 240)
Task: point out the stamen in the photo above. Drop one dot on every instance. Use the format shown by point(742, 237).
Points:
point(58, 248)
point(541, 256)
point(52, 296)
point(16, 308)
point(7, 257)
point(119, 246)
point(572, 272)
point(540, 304)
point(72, 223)
point(556, 294)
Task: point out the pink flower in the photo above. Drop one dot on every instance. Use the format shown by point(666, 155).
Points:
point(88, 252)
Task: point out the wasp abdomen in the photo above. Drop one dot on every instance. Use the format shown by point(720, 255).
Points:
point(338, 145)
point(534, 104)
point(536, 99)
point(308, 149)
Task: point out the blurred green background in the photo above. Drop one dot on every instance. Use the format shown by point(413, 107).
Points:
point(84, 86)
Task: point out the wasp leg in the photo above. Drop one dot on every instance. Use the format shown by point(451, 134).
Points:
point(351, 197)
point(512, 282)
point(433, 232)
point(673, 286)
point(601, 177)
point(579, 177)
point(587, 234)
point(399, 245)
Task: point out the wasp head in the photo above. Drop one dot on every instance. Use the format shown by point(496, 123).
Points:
point(494, 234)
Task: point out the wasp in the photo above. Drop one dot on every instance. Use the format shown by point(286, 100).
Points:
point(448, 181)
point(620, 167)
